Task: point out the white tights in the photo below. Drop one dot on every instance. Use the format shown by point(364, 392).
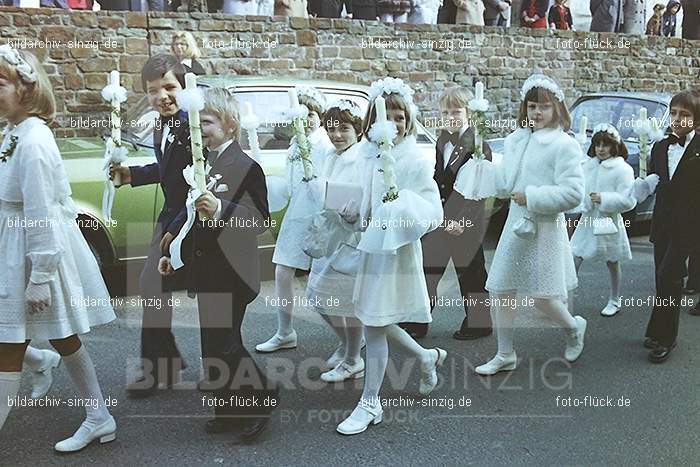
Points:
point(349, 332)
point(284, 275)
point(615, 276)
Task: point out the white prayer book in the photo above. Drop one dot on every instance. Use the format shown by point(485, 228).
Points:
point(339, 193)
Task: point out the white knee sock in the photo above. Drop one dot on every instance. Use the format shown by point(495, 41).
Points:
point(353, 339)
point(283, 288)
point(35, 358)
point(557, 311)
point(82, 373)
point(504, 320)
point(377, 358)
point(9, 386)
point(615, 275)
point(338, 328)
point(401, 337)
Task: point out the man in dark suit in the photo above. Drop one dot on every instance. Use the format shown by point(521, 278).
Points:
point(675, 226)
point(691, 19)
point(329, 8)
point(447, 13)
point(224, 271)
point(162, 76)
point(461, 236)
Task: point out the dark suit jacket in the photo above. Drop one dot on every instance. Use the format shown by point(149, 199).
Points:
point(329, 8)
point(167, 170)
point(447, 13)
point(454, 205)
point(677, 199)
point(196, 68)
point(224, 254)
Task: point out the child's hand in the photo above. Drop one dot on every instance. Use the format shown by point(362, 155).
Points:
point(207, 203)
point(124, 174)
point(519, 198)
point(165, 268)
point(37, 296)
point(595, 198)
point(453, 228)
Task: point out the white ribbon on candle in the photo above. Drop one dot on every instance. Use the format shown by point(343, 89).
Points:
point(115, 153)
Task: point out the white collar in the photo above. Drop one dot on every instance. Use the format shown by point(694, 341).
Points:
point(221, 148)
point(461, 131)
point(546, 135)
point(612, 162)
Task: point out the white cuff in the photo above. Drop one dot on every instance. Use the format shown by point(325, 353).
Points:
point(217, 214)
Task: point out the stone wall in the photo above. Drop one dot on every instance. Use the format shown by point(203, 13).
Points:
point(429, 57)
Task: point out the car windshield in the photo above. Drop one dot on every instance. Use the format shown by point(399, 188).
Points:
point(622, 112)
point(268, 106)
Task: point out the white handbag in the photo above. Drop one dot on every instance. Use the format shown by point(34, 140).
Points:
point(346, 260)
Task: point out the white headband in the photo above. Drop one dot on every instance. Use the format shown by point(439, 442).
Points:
point(609, 129)
point(393, 86)
point(542, 81)
point(314, 94)
point(350, 106)
point(24, 70)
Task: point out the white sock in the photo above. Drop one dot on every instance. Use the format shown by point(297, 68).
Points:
point(35, 358)
point(9, 386)
point(283, 289)
point(82, 373)
point(377, 358)
point(401, 337)
point(557, 311)
point(353, 337)
point(336, 324)
point(503, 318)
point(615, 275)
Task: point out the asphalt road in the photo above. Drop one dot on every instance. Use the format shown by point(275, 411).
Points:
point(518, 418)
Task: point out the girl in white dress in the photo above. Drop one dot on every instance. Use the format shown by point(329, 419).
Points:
point(541, 174)
point(390, 286)
point(332, 277)
point(600, 233)
point(289, 255)
point(51, 287)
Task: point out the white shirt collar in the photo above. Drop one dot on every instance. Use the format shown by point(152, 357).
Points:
point(220, 149)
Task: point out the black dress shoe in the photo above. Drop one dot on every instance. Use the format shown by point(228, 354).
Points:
point(689, 290)
point(253, 428)
point(471, 334)
point(661, 353)
point(651, 343)
point(222, 425)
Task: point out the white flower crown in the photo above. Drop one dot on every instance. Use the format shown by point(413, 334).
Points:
point(350, 106)
point(539, 80)
point(391, 85)
point(314, 94)
point(24, 70)
point(609, 129)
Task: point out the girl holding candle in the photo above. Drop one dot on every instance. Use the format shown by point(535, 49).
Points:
point(600, 233)
point(541, 174)
point(300, 172)
point(52, 288)
point(400, 204)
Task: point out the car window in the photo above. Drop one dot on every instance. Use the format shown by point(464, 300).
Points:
point(621, 112)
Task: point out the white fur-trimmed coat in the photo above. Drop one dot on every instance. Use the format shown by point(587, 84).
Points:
point(546, 166)
point(613, 179)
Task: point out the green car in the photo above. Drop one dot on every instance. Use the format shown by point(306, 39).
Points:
point(121, 245)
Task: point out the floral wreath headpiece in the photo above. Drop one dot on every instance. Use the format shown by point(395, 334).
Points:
point(13, 57)
point(347, 105)
point(314, 94)
point(393, 86)
point(609, 129)
point(542, 81)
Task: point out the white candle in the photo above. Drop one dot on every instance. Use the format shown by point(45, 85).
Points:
point(248, 109)
point(479, 90)
point(196, 137)
point(643, 113)
point(380, 107)
point(293, 98)
point(116, 123)
point(584, 125)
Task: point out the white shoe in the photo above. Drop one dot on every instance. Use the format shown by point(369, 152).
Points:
point(86, 434)
point(498, 363)
point(336, 359)
point(430, 378)
point(278, 342)
point(574, 345)
point(360, 419)
point(42, 379)
point(611, 308)
point(344, 371)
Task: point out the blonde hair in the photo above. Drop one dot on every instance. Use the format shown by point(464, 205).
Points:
point(36, 98)
point(221, 103)
point(192, 47)
point(393, 102)
point(455, 97)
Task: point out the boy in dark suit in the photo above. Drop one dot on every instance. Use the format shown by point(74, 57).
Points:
point(462, 233)
point(224, 270)
point(675, 227)
point(162, 76)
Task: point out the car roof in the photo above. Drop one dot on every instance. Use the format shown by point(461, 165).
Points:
point(660, 97)
point(237, 81)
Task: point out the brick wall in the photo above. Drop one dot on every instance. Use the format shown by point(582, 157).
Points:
point(333, 49)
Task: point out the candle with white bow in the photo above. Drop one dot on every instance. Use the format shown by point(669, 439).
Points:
point(643, 142)
point(196, 135)
point(250, 122)
point(115, 153)
point(385, 146)
point(302, 143)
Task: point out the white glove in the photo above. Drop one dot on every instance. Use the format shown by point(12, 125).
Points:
point(37, 296)
point(350, 212)
point(652, 180)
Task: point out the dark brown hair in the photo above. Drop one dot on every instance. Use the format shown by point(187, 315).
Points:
point(312, 104)
point(617, 148)
point(159, 65)
point(689, 100)
point(561, 117)
point(396, 102)
point(335, 114)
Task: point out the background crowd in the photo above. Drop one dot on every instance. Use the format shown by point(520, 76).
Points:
point(677, 17)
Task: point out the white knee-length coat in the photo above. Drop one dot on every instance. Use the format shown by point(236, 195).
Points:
point(613, 179)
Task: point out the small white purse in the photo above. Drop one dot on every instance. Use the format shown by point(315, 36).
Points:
point(525, 228)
